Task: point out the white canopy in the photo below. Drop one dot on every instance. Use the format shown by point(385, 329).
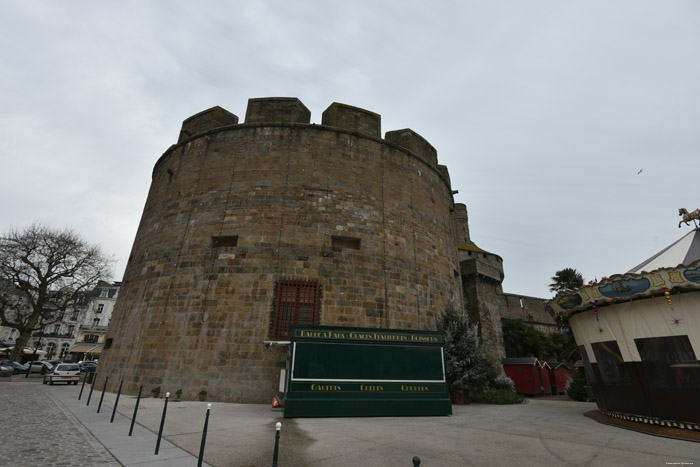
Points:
point(683, 251)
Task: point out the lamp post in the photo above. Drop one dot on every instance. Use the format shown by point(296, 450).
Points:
point(36, 347)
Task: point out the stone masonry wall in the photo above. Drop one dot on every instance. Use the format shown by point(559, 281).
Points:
point(192, 316)
point(529, 309)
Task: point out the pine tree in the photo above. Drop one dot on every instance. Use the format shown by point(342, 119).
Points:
point(465, 360)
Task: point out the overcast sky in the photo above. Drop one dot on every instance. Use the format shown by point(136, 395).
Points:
point(544, 111)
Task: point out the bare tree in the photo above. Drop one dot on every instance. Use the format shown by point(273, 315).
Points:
point(43, 273)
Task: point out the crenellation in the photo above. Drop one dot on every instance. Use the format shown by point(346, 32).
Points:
point(414, 143)
point(206, 120)
point(354, 119)
point(277, 110)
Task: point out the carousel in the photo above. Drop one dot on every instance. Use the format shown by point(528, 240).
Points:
point(639, 336)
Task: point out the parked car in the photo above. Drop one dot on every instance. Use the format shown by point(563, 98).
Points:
point(63, 373)
point(5, 370)
point(40, 367)
point(17, 367)
point(88, 366)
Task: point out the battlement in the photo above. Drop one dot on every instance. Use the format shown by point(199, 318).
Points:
point(206, 120)
point(415, 143)
point(461, 220)
point(290, 110)
point(351, 118)
point(277, 110)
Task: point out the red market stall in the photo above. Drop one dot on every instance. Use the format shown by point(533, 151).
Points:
point(559, 374)
point(545, 381)
point(525, 373)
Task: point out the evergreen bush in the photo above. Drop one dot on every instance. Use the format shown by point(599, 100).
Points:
point(465, 360)
point(576, 387)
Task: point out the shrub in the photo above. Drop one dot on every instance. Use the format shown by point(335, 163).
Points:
point(498, 396)
point(465, 361)
point(576, 387)
point(502, 381)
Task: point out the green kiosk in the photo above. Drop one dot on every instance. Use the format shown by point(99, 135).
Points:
point(358, 372)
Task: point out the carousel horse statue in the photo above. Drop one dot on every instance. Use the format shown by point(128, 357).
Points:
point(689, 216)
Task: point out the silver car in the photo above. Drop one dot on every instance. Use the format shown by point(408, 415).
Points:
point(63, 373)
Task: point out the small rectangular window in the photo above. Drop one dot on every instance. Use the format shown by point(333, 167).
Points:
point(100, 308)
point(229, 241)
point(108, 343)
point(350, 243)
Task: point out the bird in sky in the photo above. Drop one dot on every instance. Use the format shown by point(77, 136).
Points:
point(640, 171)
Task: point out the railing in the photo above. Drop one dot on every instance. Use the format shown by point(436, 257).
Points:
point(92, 328)
point(64, 335)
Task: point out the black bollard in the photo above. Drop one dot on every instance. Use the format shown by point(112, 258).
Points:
point(204, 437)
point(278, 426)
point(82, 387)
point(416, 461)
point(99, 406)
point(114, 409)
point(162, 422)
point(136, 409)
point(92, 386)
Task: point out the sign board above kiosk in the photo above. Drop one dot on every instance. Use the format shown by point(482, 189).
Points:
point(341, 372)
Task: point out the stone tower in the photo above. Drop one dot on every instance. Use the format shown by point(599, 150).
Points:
point(249, 228)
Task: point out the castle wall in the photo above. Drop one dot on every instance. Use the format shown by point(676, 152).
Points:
point(235, 209)
point(529, 309)
point(483, 295)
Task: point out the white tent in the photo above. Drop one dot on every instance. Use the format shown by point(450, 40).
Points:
point(683, 251)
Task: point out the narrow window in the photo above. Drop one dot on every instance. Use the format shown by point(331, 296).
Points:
point(100, 308)
point(296, 302)
point(108, 343)
point(349, 243)
point(224, 242)
point(91, 338)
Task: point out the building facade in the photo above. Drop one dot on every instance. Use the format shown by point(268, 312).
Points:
point(93, 328)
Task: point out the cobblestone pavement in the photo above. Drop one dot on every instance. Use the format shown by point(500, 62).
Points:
point(39, 431)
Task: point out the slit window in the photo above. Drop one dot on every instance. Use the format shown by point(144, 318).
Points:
point(348, 243)
point(228, 241)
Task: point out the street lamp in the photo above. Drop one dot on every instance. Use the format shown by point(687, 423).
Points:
point(36, 347)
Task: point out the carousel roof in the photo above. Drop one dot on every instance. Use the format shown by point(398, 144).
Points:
point(675, 269)
point(682, 252)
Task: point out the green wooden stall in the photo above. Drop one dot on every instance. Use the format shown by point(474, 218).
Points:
point(344, 372)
